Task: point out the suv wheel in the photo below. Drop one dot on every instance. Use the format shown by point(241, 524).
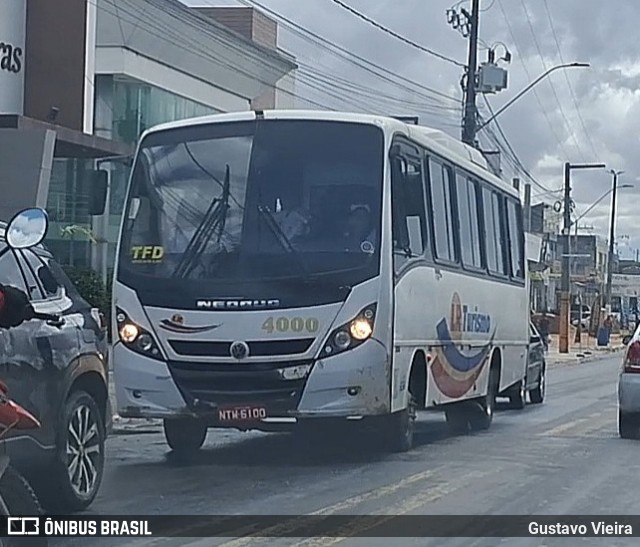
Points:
point(73, 482)
point(628, 426)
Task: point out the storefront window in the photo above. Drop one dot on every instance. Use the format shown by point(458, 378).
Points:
point(138, 107)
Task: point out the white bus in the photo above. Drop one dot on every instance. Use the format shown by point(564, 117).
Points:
point(294, 266)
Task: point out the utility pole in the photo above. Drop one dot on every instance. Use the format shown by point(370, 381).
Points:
point(469, 124)
point(527, 207)
point(607, 301)
point(565, 282)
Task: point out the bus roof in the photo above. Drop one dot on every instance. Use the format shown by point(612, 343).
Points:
point(439, 142)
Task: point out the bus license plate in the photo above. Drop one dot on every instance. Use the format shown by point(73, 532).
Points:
point(248, 413)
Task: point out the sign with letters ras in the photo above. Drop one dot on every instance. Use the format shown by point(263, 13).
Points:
point(10, 57)
point(13, 20)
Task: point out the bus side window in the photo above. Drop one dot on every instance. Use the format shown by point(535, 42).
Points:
point(470, 245)
point(516, 236)
point(494, 237)
point(443, 224)
point(409, 216)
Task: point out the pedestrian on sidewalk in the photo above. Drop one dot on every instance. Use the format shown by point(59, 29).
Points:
point(543, 329)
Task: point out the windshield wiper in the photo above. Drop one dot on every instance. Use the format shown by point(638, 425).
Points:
point(214, 218)
point(284, 241)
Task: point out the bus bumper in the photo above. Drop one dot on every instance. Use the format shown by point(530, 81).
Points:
point(144, 387)
point(355, 383)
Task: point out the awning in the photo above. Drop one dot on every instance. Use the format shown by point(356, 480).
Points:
point(70, 143)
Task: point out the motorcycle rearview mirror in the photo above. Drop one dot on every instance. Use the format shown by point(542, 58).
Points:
point(27, 229)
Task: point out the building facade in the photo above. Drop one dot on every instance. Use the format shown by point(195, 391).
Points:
point(588, 265)
point(545, 274)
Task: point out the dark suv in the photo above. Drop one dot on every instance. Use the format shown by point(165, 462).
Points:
point(57, 371)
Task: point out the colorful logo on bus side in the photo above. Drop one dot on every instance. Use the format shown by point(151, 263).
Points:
point(455, 371)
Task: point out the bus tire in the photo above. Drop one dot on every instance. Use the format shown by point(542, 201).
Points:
point(400, 427)
point(537, 393)
point(482, 415)
point(457, 417)
point(518, 396)
point(184, 435)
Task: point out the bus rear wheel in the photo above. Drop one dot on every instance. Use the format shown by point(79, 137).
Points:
point(482, 415)
point(185, 435)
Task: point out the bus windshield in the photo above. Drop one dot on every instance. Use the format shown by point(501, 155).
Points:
point(234, 203)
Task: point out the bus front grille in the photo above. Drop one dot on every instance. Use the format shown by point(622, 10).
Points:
point(259, 348)
point(239, 384)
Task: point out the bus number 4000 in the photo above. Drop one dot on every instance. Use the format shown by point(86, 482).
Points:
point(295, 324)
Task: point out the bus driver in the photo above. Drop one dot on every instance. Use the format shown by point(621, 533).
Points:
point(359, 234)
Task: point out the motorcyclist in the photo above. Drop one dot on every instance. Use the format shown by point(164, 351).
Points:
point(15, 307)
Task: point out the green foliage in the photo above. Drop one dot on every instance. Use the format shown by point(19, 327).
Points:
point(91, 288)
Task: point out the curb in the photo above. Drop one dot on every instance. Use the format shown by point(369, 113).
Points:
point(579, 359)
point(135, 426)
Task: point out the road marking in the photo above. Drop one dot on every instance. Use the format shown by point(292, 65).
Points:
point(404, 507)
point(292, 523)
point(563, 427)
point(590, 425)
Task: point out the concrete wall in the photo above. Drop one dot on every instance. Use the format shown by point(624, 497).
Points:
point(167, 32)
point(286, 92)
point(26, 157)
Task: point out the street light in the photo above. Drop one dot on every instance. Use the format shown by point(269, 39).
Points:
point(532, 84)
point(566, 280)
point(614, 190)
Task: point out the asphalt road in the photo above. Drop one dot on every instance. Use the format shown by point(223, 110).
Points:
point(562, 457)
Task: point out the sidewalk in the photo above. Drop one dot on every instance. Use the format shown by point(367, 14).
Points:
point(586, 351)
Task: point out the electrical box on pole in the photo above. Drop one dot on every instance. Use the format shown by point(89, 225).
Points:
point(492, 78)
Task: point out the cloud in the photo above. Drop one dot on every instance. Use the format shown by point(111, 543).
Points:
point(544, 126)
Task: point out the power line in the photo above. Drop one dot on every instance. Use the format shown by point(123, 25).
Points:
point(571, 91)
point(530, 79)
point(353, 58)
point(373, 97)
point(513, 153)
point(550, 81)
point(396, 35)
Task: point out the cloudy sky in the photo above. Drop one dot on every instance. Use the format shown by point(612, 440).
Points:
point(578, 115)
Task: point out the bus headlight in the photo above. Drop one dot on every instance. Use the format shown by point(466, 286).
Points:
point(128, 333)
point(361, 328)
point(352, 333)
point(135, 337)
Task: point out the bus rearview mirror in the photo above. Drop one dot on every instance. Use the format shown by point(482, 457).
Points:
point(98, 185)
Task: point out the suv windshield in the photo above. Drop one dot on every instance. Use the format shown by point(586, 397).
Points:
point(238, 203)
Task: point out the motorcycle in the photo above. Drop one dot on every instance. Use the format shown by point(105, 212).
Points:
point(17, 498)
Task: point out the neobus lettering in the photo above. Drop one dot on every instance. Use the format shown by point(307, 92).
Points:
point(237, 304)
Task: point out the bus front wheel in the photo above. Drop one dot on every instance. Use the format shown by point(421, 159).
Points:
point(185, 434)
point(400, 427)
